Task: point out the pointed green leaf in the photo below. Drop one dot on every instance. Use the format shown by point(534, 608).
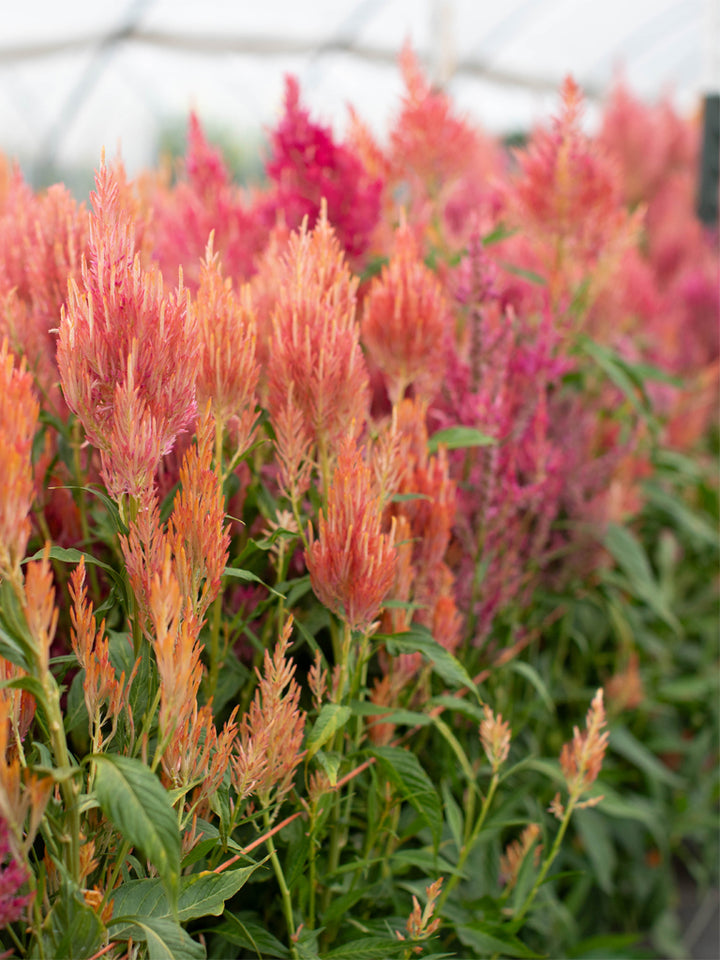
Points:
point(201, 894)
point(403, 769)
point(243, 930)
point(459, 438)
point(74, 930)
point(420, 639)
point(139, 806)
point(249, 577)
point(166, 940)
point(332, 717)
point(487, 939)
point(632, 559)
point(369, 948)
point(532, 676)
point(624, 743)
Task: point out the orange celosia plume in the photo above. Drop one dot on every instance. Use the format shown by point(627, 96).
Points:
point(405, 321)
point(19, 413)
point(315, 350)
point(351, 563)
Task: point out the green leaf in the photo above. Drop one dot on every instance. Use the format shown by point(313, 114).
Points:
point(453, 815)
point(696, 526)
point(15, 644)
point(68, 555)
point(498, 234)
point(403, 769)
point(72, 555)
point(533, 677)
point(201, 894)
point(74, 931)
point(592, 827)
point(632, 559)
point(459, 438)
point(408, 497)
point(138, 805)
point(606, 946)
point(243, 930)
point(332, 717)
point(486, 939)
point(330, 763)
point(368, 948)
point(28, 683)
point(530, 275)
point(458, 705)
point(637, 809)
point(624, 743)
point(165, 939)
point(418, 639)
point(396, 715)
point(628, 380)
point(249, 577)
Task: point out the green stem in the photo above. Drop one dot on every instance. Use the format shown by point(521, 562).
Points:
point(548, 862)
point(14, 937)
point(214, 665)
point(124, 851)
point(468, 845)
point(68, 786)
point(80, 501)
point(284, 892)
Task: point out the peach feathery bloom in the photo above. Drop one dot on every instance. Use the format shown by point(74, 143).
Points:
point(351, 562)
point(19, 411)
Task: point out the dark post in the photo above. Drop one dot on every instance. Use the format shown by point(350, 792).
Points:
point(707, 204)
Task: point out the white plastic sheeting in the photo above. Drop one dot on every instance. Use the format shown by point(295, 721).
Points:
point(79, 75)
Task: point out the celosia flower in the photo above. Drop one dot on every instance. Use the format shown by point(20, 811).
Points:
point(127, 352)
point(198, 754)
point(582, 758)
point(92, 649)
point(42, 240)
point(495, 738)
point(197, 533)
point(351, 563)
point(204, 199)
point(307, 167)
point(625, 688)
point(567, 201)
point(176, 647)
point(405, 320)
point(420, 924)
point(13, 876)
point(268, 747)
point(19, 704)
point(39, 610)
point(19, 413)
point(227, 371)
point(512, 860)
point(315, 350)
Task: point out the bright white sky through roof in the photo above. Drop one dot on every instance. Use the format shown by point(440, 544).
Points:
point(227, 59)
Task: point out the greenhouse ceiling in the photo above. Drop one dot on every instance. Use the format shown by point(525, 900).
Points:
point(81, 75)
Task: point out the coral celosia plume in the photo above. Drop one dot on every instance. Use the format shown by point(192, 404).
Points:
point(127, 351)
point(19, 411)
point(351, 562)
